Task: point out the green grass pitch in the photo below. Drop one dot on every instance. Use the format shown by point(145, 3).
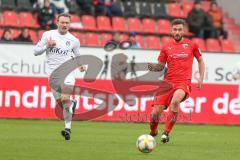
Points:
point(41, 140)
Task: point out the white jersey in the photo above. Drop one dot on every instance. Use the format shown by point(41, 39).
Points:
point(66, 46)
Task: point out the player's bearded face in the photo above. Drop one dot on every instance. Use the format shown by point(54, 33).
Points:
point(63, 24)
point(178, 32)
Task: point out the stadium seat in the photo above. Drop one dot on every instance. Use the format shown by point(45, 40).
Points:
point(26, 20)
point(23, 5)
point(129, 8)
point(1, 33)
point(119, 24)
point(145, 10)
point(40, 33)
point(213, 45)
point(140, 40)
point(164, 26)
point(166, 40)
point(33, 36)
point(174, 10)
point(105, 37)
point(227, 46)
point(123, 37)
point(80, 37)
point(10, 18)
point(149, 25)
point(153, 42)
point(200, 42)
point(92, 39)
point(7, 4)
point(75, 18)
point(15, 33)
point(134, 25)
point(205, 5)
point(103, 23)
point(187, 7)
point(159, 10)
point(88, 22)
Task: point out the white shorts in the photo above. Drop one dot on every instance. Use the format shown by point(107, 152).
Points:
point(58, 88)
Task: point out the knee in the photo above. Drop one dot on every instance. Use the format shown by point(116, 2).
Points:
point(174, 105)
point(65, 98)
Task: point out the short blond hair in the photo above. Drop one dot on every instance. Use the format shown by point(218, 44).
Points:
point(64, 15)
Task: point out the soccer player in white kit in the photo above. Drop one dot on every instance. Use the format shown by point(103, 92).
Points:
point(59, 45)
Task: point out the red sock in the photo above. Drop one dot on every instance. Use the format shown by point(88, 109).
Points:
point(170, 121)
point(154, 124)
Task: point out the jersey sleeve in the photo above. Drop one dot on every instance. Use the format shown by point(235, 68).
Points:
point(76, 48)
point(162, 56)
point(196, 51)
point(41, 46)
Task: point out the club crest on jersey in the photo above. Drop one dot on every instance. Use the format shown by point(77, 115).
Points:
point(185, 45)
point(68, 43)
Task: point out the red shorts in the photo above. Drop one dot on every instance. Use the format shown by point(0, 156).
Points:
point(165, 99)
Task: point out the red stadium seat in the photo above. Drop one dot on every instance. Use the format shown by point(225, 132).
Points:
point(88, 22)
point(153, 42)
point(26, 20)
point(140, 40)
point(1, 33)
point(105, 37)
point(40, 33)
point(75, 18)
point(134, 25)
point(213, 45)
point(103, 23)
point(205, 5)
point(119, 24)
point(200, 42)
point(33, 36)
point(10, 18)
point(92, 39)
point(164, 26)
point(187, 7)
point(79, 36)
point(1, 19)
point(149, 25)
point(123, 37)
point(166, 40)
point(174, 10)
point(15, 33)
point(227, 46)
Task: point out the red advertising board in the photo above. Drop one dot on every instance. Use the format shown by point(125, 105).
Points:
point(30, 97)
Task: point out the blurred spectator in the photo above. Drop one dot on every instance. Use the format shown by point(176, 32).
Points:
point(132, 39)
point(107, 7)
point(113, 8)
point(86, 7)
point(46, 15)
point(24, 36)
point(196, 20)
point(7, 35)
point(100, 8)
point(116, 38)
point(217, 19)
point(60, 6)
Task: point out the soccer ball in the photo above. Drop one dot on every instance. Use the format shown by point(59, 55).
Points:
point(146, 143)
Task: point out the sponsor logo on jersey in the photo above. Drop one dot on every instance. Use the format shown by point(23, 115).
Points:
point(58, 51)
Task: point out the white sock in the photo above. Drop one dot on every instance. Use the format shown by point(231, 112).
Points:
point(67, 115)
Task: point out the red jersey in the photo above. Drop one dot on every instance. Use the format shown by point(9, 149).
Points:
point(179, 58)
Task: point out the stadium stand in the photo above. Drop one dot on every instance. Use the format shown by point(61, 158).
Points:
point(150, 20)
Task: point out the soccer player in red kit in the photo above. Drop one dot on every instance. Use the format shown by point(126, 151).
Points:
point(178, 54)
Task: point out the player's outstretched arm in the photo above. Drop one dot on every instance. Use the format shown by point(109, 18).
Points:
point(156, 67)
point(201, 68)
